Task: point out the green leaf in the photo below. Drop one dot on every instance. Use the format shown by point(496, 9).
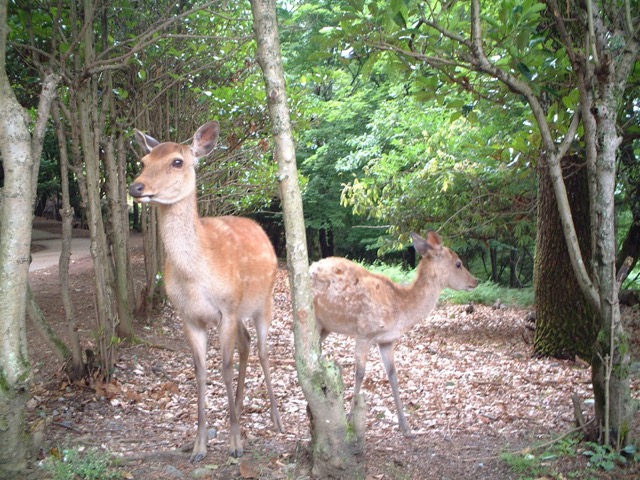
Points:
point(524, 69)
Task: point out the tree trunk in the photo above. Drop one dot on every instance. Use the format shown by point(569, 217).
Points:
point(89, 134)
point(332, 447)
point(19, 153)
point(514, 257)
point(493, 255)
point(565, 324)
point(15, 238)
point(153, 260)
point(77, 362)
point(611, 360)
point(104, 296)
point(327, 247)
point(119, 240)
point(48, 334)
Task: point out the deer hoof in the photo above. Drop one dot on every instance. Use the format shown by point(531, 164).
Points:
point(408, 434)
point(197, 456)
point(236, 452)
point(277, 422)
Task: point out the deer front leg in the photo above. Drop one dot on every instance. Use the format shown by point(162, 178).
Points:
point(361, 354)
point(228, 332)
point(386, 353)
point(197, 338)
point(261, 320)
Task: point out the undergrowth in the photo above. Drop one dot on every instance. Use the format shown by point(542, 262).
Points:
point(544, 461)
point(77, 463)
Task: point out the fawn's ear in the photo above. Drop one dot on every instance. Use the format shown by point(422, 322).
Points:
point(431, 244)
point(145, 141)
point(205, 139)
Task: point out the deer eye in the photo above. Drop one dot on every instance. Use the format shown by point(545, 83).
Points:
point(177, 163)
point(458, 264)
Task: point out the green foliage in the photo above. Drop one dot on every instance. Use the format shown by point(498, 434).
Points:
point(394, 271)
point(489, 293)
point(604, 457)
point(393, 144)
point(77, 464)
point(486, 293)
point(420, 170)
point(540, 461)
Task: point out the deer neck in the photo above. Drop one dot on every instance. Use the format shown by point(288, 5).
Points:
point(422, 295)
point(180, 232)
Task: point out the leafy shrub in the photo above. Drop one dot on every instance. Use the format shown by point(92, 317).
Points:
point(606, 458)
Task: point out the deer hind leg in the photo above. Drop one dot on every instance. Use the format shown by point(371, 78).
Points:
point(244, 346)
point(262, 320)
point(361, 354)
point(197, 338)
point(228, 332)
point(386, 353)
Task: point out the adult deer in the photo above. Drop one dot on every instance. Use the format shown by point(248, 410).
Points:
point(219, 271)
point(352, 301)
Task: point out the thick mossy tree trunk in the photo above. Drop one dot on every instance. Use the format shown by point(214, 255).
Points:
point(565, 324)
point(15, 237)
point(20, 152)
point(334, 441)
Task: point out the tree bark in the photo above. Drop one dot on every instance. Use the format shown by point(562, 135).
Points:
point(48, 334)
point(77, 362)
point(565, 323)
point(332, 444)
point(18, 150)
point(88, 126)
point(119, 240)
point(611, 360)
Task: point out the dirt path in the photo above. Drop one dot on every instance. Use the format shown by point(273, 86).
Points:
point(471, 389)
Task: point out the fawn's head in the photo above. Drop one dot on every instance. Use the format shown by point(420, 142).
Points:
point(444, 262)
point(168, 173)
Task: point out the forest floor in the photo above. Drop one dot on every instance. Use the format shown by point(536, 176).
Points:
point(473, 394)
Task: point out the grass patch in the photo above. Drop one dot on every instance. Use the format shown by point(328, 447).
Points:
point(78, 463)
point(487, 293)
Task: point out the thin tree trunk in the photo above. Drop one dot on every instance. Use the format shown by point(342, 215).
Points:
point(50, 337)
point(153, 259)
point(493, 255)
point(610, 372)
point(332, 452)
point(119, 241)
point(89, 129)
point(104, 296)
point(77, 362)
point(124, 212)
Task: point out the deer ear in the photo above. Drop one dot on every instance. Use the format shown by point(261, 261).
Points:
point(145, 141)
point(205, 139)
point(426, 246)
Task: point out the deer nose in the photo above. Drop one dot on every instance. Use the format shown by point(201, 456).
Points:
point(136, 190)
